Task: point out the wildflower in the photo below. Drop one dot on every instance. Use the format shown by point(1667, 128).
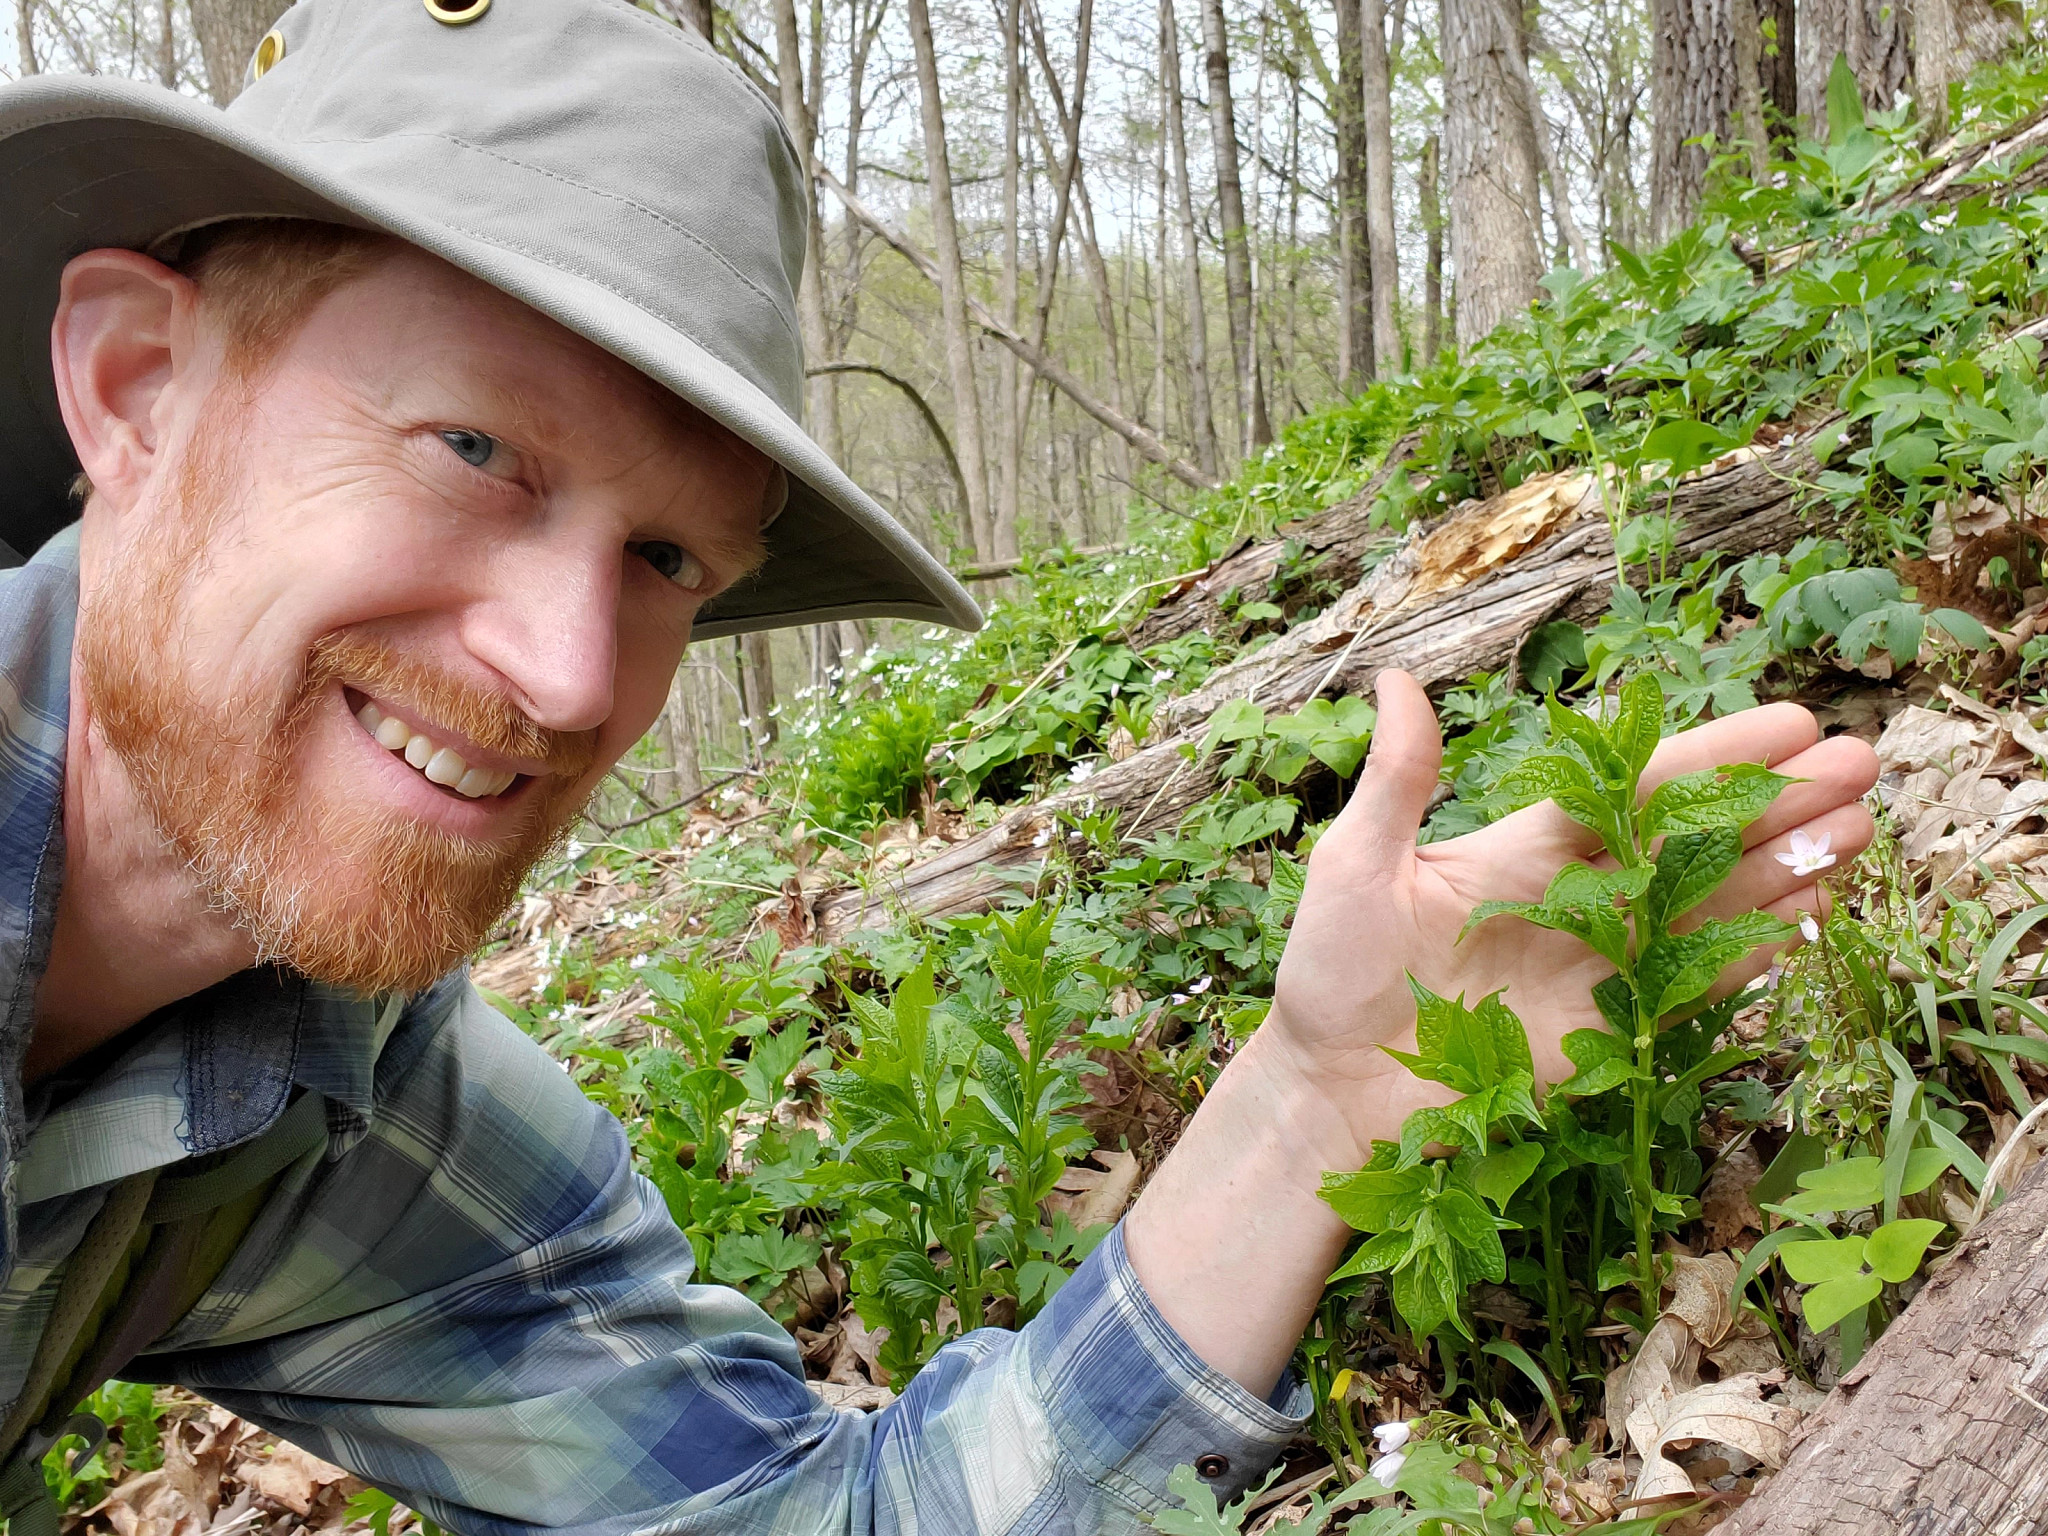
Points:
point(1809, 930)
point(1386, 1468)
point(575, 850)
point(1201, 986)
point(1389, 1438)
point(1044, 836)
point(1809, 855)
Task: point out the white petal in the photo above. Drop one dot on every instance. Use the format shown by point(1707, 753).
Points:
point(1391, 1437)
point(1387, 1468)
point(1808, 928)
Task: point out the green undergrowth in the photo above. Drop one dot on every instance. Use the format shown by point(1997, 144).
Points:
point(902, 1122)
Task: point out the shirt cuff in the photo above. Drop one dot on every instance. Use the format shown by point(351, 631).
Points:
point(1129, 1401)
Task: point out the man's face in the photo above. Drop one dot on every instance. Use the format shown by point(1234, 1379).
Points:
point(386, 613)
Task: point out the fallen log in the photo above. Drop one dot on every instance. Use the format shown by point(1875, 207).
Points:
point(1459, 596)
point(1942, 1429)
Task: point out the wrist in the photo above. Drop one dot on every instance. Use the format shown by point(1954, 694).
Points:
point(1332, 1110)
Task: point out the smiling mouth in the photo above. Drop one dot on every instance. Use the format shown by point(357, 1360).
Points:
point(440, 765)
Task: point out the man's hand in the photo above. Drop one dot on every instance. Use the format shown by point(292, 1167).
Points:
point(1378, 908)
point(1231, 1239)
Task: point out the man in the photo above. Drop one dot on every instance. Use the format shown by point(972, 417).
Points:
point(425, 403)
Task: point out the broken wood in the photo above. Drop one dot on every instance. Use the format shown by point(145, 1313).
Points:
point(1942, 1429)
point(1459, 596)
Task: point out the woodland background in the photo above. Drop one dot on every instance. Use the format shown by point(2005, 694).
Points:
point(1076, 261)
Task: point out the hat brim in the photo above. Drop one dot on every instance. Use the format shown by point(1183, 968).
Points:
point(87, 162)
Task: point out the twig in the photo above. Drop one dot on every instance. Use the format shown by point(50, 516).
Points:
point(2006, 1155)
point(664, 810)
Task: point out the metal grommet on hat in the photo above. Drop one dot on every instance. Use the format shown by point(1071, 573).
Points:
point(456, 13)
point(270, 50)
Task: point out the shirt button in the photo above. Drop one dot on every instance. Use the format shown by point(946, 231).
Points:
point(1212, 1466)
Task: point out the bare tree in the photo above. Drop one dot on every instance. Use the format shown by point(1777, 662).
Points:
point(757, 688)
point(1493, 192)
point(1202, 418)
point(952, 286)
point(1009, 407)
point(817, 335)
point(1354, 240)
point(228, 32)
point(1426, 197)
point(1951, 38)
point(1705, 79)
point(1377, 126)
point(1255, 429)
point(25, 35)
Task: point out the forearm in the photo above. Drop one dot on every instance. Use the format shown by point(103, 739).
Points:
point(1231, 1239)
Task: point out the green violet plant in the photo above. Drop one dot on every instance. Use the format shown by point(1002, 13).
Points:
point(1668, 852)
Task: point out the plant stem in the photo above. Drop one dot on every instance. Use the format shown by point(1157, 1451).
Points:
point(1642, 1185)
point(1554, 1291)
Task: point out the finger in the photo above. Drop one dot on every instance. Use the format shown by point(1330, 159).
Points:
point(1401, 767)
point(1762, 879)
point(1834, 773)
point(1770, 734)
point(1808, 899)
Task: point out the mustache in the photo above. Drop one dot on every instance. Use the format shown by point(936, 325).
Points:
point(486, 718)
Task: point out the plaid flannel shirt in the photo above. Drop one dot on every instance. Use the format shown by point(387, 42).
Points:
point(475, 1302)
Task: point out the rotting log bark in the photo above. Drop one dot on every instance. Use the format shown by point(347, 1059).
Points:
point(1459, 596)
point(1941, 1430)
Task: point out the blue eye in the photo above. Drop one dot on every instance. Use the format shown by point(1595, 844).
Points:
point(470, 447)
point(672, 561)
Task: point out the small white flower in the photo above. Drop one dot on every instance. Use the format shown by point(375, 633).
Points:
point(1389, 1438)
point(575, 850)
point(1081, 772)
point(1196, 991)
point(1044, 836)
point(1387, 1468)
point(1809, 855)
point(1809, 930)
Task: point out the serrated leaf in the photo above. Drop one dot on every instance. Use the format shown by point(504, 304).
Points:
point(1568, 724)
point(1510, 1039)
point(1680, 968)
point(1729, 796)
point(1386, 1251)
point(1895, 1249)
point(1638, 723)
point(1375, 1199)
point(1832, 1300)
point(1690, 868)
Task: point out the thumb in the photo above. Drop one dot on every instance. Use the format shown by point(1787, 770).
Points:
point(1401, 768)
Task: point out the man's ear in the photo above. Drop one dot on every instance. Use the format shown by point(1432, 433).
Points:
point(125, 327)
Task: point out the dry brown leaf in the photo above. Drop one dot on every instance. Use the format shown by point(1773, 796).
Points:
point(292, 1477)
point(865, 1396)
point(1725, 1204)
point(1731, 1412)
point(1665, 1365)
point(1919, 738)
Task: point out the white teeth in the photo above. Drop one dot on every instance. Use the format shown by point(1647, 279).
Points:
point(442, 765)
point(445, 768)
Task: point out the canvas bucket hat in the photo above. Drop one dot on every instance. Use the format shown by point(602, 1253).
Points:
point(592, 160)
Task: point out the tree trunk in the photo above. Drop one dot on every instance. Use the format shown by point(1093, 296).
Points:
point(952, 287)
point(1572, 241)
point(1940, 1430)
point(1426, 179)
point(1202, 417)
point(25, 35)
point(1778, 68)
point(1951, 38)
point(1458, 597)
point(228, 32)
point(1009, 405)
point(680, 724)
point(1873, 35)
point(1355, 345)
point(1377, 125)
point(817, 335)
point(167, 45)
point(1705, 78)
point(1493, 196)
point(700, 15)
point(757, 689)
point(1255, 430)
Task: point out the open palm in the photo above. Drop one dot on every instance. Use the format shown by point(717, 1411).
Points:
point(1378, 908)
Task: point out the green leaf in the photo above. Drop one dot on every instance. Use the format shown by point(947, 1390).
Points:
point(1638, 723)
point(1963, 628)
point(1832, 1300)
point(1550, 652)
point(1604, 1061)
point(1553, 776)
point(1373, 1200)
point(1567, 724)
point(1690, 868)
point(1680, 968)
point(1845, 102)
point(1895, 1249)
point(1388, 1250)
point(1684, 445)
point(1852, 1183)
point(1822, 1258)
point(1730, 796)
point(1499, 1174)
point(1236, 720)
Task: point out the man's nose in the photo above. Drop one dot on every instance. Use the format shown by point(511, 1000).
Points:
point(549, 626)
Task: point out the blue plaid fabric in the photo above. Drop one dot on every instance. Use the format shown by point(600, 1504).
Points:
point(474, 1302)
